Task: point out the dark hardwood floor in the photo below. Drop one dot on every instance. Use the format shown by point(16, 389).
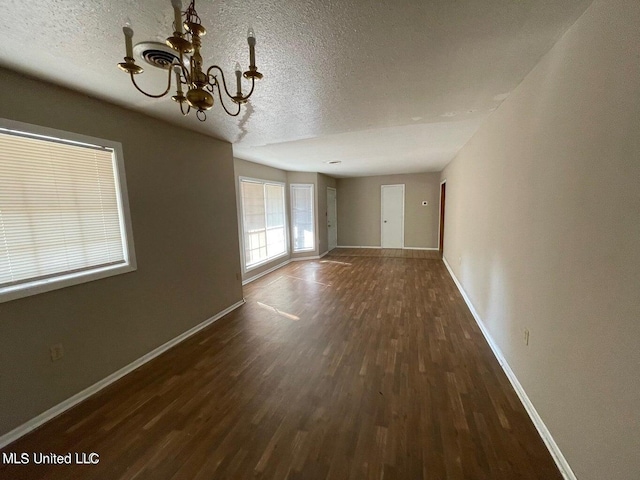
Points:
point(365, 364)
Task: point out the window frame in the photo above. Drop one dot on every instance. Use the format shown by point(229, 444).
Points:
point(313, 217)
point(63, 280)
point(263, 182)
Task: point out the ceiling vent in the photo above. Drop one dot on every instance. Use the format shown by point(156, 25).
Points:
point(156, 54)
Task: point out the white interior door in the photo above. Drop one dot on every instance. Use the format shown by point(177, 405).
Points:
point(392, 227)
point(332, 218)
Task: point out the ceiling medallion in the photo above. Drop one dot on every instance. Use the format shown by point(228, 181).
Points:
point(188, 70)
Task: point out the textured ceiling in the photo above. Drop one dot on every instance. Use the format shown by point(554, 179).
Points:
point(382, 86)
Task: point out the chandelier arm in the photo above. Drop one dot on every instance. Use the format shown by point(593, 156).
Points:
point(184, 114)
point(224, 83)
point(222, 101)
point(133, 80)
point(253, 84)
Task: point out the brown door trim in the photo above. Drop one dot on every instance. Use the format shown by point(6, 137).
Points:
point(443, 190)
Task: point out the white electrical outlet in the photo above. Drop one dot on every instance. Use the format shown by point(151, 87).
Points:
point(57, 352)
point(526, 336)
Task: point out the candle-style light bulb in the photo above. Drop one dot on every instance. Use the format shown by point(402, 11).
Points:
point(238, 79)
point(251, 40)
point(128, 38)
point(177, 14)
point(178, 71)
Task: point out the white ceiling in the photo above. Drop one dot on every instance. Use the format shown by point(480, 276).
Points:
point(382, 86)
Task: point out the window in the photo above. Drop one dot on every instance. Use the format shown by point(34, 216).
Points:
point(63, 210)
point(302, 217)
point(263, 221)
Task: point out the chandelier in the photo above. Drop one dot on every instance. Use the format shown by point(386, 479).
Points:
point(188, 70)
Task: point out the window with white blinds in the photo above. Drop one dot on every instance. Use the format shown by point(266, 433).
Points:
point(302, 217)
point(263, 221)
point(61, 211)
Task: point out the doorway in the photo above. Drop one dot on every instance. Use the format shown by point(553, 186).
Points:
point(443, 191)
point(332, 218)
point(392, 218)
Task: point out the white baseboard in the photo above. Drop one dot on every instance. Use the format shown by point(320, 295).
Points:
point(35, 422)
point(421, 248)
point(355, 246)
point(262, 274)
point(548, 440)
point(313, 257)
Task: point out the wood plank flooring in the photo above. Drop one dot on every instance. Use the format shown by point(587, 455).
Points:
point(364, 364)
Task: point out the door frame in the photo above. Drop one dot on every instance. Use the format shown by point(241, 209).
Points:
point(382, 212)
point(336, 219)
point(441, 216)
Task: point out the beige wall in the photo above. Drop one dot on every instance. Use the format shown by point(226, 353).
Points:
point(257, 171)
point(359, 209)
point(184, 226)
point(543, 231)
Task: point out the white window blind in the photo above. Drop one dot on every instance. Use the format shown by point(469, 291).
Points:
point(263, 221)
point(59, 208)
point(302, 217)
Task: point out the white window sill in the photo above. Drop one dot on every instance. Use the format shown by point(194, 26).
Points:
point(253, 266)
point(27, 289)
